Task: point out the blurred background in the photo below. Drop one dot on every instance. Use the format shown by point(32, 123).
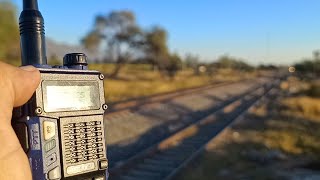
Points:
point(146, 48)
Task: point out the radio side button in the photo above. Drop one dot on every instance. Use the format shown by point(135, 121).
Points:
point(103, 164)
point(51, 159)
point(49, 129)
point(50, 145)
point(54, 173)
point(99, 178)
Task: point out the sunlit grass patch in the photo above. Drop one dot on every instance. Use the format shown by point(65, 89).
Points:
point(295, 128)
point(284, 140)
point(139, 80)
point(304, 106)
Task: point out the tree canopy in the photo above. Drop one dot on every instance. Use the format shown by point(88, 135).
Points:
point(311, 65)
point(116, 32)
point(118, 35)
point(233, 63)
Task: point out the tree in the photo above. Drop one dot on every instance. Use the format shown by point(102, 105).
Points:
point(157, 53)
point(9, 34)
point(226, 62)
point(155, 47)
point(192, 61)
point(119, 33)
point(316, 55)
point(233, 63)
point(92, 41)
point(174, 64)
point(308, 66)
point(311, 66)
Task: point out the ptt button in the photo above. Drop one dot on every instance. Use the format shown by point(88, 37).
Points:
point(54, 173)
point(103, 164)
point(49, 129)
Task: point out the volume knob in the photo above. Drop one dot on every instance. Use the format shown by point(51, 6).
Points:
point(75, 61)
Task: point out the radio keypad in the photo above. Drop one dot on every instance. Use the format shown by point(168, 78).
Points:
point(83, 141)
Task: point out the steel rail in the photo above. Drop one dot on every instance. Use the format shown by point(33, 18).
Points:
point(163, 160)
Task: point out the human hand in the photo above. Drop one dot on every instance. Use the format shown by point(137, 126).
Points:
point(16, 87)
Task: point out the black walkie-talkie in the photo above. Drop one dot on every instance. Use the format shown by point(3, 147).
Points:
point(61, 127)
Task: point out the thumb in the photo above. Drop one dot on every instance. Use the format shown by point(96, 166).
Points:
point(17, 85)
point(26, 80)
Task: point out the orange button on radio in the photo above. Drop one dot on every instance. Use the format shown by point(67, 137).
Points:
point(49, 129)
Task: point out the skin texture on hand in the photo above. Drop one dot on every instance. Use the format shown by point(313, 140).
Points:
point(16, 87)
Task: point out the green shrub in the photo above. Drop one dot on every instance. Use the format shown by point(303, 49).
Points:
point(314, 90)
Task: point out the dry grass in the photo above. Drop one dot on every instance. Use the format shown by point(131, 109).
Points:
point(139, 80)
point(304, 106)
point(297, 130)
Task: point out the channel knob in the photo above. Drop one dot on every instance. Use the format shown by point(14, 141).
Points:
point(75, 61)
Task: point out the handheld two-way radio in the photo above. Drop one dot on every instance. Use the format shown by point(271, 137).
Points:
point(61, 127)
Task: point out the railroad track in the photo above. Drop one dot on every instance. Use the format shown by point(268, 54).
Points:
point(159, 120)
point(164, 159)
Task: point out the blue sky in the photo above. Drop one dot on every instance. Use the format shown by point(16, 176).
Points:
point(260, 31)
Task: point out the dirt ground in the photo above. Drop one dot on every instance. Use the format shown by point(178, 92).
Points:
point(277, 139)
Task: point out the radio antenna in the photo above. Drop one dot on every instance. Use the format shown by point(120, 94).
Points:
point(32, 35)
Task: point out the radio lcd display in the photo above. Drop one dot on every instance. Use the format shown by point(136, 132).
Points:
point(69, 96)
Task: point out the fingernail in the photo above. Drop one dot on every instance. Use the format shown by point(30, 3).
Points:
point(28, 68)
